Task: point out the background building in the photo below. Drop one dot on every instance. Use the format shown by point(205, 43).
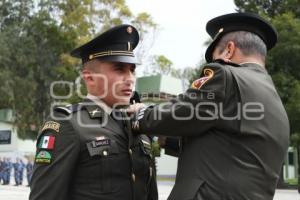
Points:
point(10, 144)
point(156, 89)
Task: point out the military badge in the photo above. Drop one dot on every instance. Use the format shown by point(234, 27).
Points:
point(208, 74)
point(51, 125)
point(43, 157)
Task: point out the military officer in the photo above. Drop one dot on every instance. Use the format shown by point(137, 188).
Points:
point(7, 165)
point(85, 151)
point(234, 128)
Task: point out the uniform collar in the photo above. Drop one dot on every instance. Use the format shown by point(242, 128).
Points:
point(247, 63)
point(100, 103)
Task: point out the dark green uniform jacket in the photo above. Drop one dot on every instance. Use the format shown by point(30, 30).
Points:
point(235, 134)
point(84, 154)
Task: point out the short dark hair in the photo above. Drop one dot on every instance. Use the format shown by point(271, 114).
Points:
point(249, 43)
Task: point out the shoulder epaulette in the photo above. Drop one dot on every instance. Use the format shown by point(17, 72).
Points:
point(68, 109)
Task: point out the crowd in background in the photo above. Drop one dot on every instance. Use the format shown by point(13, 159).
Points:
point(8, 168)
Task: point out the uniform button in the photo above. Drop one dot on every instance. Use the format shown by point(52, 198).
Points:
point(105, 153)
point(130, 151)
point(133, 177)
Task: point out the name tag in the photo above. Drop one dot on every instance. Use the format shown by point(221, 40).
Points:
point(100, 143)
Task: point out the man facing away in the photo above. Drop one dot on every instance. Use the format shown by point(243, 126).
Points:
point(84, 151)
point(233, 127)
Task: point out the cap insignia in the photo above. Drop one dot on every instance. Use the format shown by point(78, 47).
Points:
point(129, 29)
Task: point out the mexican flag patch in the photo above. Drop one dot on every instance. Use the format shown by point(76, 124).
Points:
point(47, 142)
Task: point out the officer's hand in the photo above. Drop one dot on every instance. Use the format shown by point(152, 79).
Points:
point(134, 108)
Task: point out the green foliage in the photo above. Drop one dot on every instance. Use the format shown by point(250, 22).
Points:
point(293, 181)
point(285, 57)
point(161, 65)
point(155, 149)
point(270, 8)
point(35, 40)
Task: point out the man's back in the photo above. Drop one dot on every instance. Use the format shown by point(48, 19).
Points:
point(241, 156)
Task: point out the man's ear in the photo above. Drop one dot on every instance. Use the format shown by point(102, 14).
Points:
point(230, 50)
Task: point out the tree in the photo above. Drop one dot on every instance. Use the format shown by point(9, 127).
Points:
point(161, 65)
point(269, 8)
point(36, 38)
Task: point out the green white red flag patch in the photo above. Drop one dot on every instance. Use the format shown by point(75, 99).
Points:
point(47, 142)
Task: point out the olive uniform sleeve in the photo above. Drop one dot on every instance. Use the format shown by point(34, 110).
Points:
point(191, 113)
point(172, 146)
point(56, 155)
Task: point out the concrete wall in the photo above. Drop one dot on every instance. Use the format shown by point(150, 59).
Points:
point(14, 140)
point(166, 165)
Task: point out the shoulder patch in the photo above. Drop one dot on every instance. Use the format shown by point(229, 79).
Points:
point(43, 157)
point(51, 125)
point(208, 74)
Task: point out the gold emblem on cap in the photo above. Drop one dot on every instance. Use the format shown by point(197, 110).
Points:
point(128, 46)
point(129, 29)
point(219, 32)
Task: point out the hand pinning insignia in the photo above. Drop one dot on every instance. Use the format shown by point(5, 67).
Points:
point(208, 74)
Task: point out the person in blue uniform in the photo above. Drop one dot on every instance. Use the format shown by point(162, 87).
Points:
point(7, 171)
point(29, 168)
point(1, 170)
point(16, 167)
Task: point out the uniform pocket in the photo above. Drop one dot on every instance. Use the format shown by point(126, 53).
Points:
point(105, 156)
point(103, 148)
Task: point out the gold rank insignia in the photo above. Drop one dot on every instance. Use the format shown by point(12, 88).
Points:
point(51, 125)
point(208, 74)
